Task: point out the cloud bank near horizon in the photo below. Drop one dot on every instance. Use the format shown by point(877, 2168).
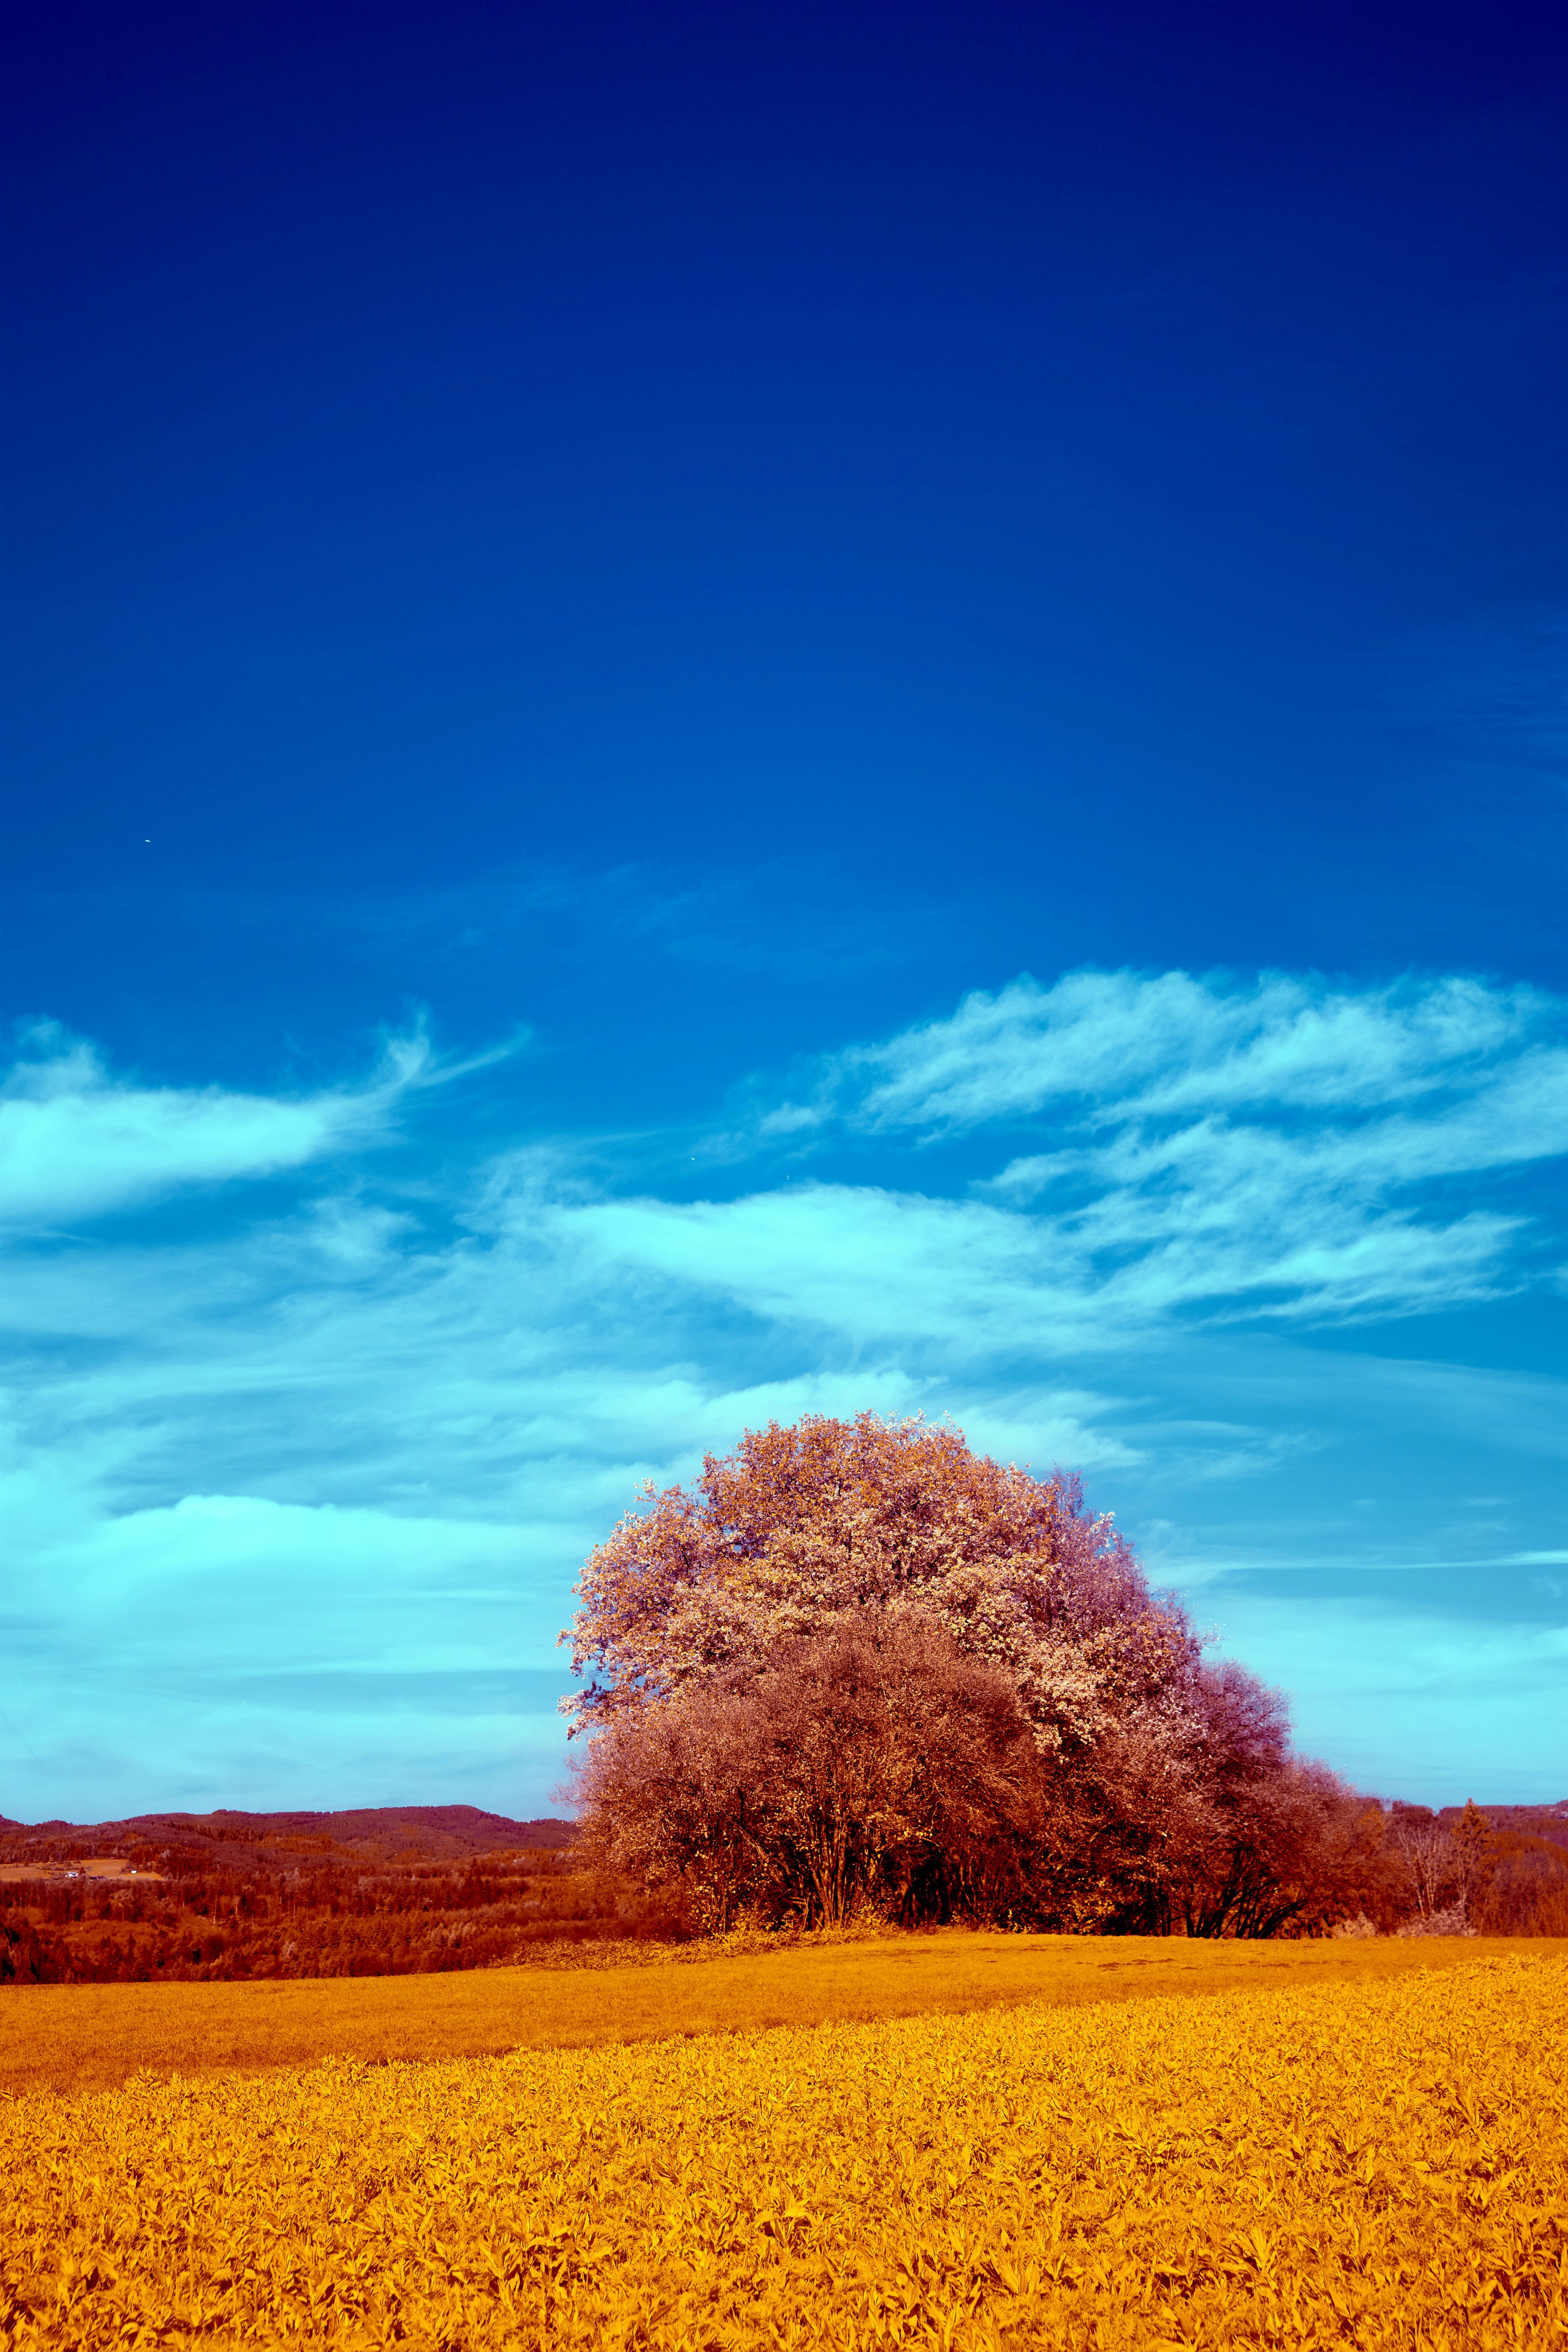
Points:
point(1130, 1223)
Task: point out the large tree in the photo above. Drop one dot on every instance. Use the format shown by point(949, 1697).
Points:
point(858, 1662)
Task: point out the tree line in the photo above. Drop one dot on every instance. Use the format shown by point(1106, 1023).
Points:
point(857, 1668)
point(194, 1923)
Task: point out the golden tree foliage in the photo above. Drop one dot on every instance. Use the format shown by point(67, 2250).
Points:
point(1378, 2164)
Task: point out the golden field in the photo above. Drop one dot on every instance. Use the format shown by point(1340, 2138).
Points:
point(1350, 2144)
point(88, 2037)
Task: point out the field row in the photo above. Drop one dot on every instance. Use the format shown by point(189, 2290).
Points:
point(84, 2037)
point(1375, 2162)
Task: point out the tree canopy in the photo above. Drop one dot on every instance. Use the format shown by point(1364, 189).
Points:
point(800, 1526)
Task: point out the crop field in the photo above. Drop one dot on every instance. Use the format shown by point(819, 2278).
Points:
point(73, 2038)
point(1368, 2151)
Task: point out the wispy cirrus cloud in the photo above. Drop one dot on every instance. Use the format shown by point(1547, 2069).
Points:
point(970, 1279)
point(1277, 1147)
point(78, 1141)
point(1163, 1045)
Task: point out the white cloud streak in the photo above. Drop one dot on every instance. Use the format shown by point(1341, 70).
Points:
point(1279, 1147)
point(76, 1142)
point(1173, 1044)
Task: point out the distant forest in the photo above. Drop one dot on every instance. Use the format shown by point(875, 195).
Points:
point(429, 1889)
point(413, 1890)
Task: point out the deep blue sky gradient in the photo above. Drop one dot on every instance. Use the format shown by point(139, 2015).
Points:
point(669, 545)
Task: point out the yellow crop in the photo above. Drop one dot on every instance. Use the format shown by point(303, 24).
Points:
point(1370, 2163)
point(91, 2037)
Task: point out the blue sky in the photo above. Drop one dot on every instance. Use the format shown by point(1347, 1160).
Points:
point(719, 710)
